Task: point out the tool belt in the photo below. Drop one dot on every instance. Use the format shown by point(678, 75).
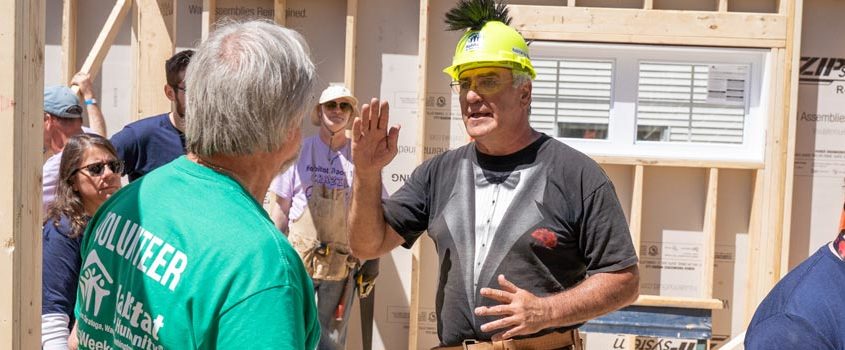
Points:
point(324, 261)
point(555, 340)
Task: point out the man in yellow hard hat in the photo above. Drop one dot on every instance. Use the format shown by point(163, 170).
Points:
point(531, 238)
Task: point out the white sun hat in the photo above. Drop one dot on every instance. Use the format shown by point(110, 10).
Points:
point(334, 92)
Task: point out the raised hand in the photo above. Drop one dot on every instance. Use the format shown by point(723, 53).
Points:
point(83, 80)
point(524, 313)
point(373, 143)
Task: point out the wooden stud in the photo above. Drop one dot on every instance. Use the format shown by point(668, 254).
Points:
point(648, 4)
point(764, 264)
point(416, 250)
point(793, 54)
point(209, 16)
point(350, 50)
point(709, 230)
point(153, 42)
point(683, 302)
point(675, 162)
point(279, 12)
point(106, 38)
point(754, 251)
point(570, 3)
point(649, 26)
point(69, 10)
point(22, 34)
point(636, 223)
point(723, 6)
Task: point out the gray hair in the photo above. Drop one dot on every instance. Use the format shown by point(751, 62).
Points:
point(520, 77)
point(247, 86)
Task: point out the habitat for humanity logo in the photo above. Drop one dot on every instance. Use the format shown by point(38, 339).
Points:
point(93, 282)
point(822, 70)
point(473, 42)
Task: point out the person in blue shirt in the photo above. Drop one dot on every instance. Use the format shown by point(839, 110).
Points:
point(89, 174)
point(151, 142)
point(805, 309)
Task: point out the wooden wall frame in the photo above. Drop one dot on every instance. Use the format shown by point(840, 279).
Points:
point(153, 41)
point(21, 113)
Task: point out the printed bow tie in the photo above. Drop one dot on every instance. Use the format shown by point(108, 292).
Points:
point(508, 180)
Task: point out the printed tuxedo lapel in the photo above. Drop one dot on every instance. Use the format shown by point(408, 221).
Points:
point(522, 215)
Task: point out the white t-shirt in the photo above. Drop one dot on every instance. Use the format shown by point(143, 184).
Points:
point(317, 164)
point(50, 176)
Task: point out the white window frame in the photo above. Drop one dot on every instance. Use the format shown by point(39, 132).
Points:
point(622, 130)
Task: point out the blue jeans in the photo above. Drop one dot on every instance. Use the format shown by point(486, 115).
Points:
point(332, 331)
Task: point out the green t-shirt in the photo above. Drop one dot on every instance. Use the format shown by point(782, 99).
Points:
point(185, 258)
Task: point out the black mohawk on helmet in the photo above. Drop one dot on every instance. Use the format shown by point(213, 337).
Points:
point(473, 14)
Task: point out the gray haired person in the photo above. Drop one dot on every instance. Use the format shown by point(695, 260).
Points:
point(185, 257)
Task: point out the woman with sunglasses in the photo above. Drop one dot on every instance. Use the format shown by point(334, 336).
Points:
point(89, 174)
point(313, 199)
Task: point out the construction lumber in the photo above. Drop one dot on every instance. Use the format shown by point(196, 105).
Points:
point(69, 10)
point(350, 45)
point(793, 54)
point(209, 16)
point(709, 230)
point(153, 42)
point(416, 250)
point(662, 162)
point(106, 38)
point(682, 302)
point(636, 224)
point(279, 14)
point(564, 23)
point(21, 113)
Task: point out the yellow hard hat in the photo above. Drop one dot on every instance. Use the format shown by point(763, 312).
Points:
point(494, 45)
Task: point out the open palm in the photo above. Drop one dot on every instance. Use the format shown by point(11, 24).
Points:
point(373, 143)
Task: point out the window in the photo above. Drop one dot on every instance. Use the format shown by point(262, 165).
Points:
point(652, 101)
point(571, 98)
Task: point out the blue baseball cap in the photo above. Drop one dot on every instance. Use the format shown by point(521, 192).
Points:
point(60, 101)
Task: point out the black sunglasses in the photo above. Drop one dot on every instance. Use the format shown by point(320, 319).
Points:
point(346, 106)
point(97, 169)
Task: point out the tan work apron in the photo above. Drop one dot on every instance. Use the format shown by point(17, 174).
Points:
point(319, 235)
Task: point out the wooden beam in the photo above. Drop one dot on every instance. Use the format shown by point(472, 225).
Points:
point(153, 42)
point(69, 10)
point(709, 230)
point(754, 251)
point(648, 4)
point(616, 25)
point(723, 6)
point(764, 259)
point(570, 3)
point(422, 90)
point(351, 45)
point(636, 224)
point(685, 163)
point(21, 112)
point(692, 303)
point(106, 38)
point(279, 12)
point(793, 55)
point(209, 16)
